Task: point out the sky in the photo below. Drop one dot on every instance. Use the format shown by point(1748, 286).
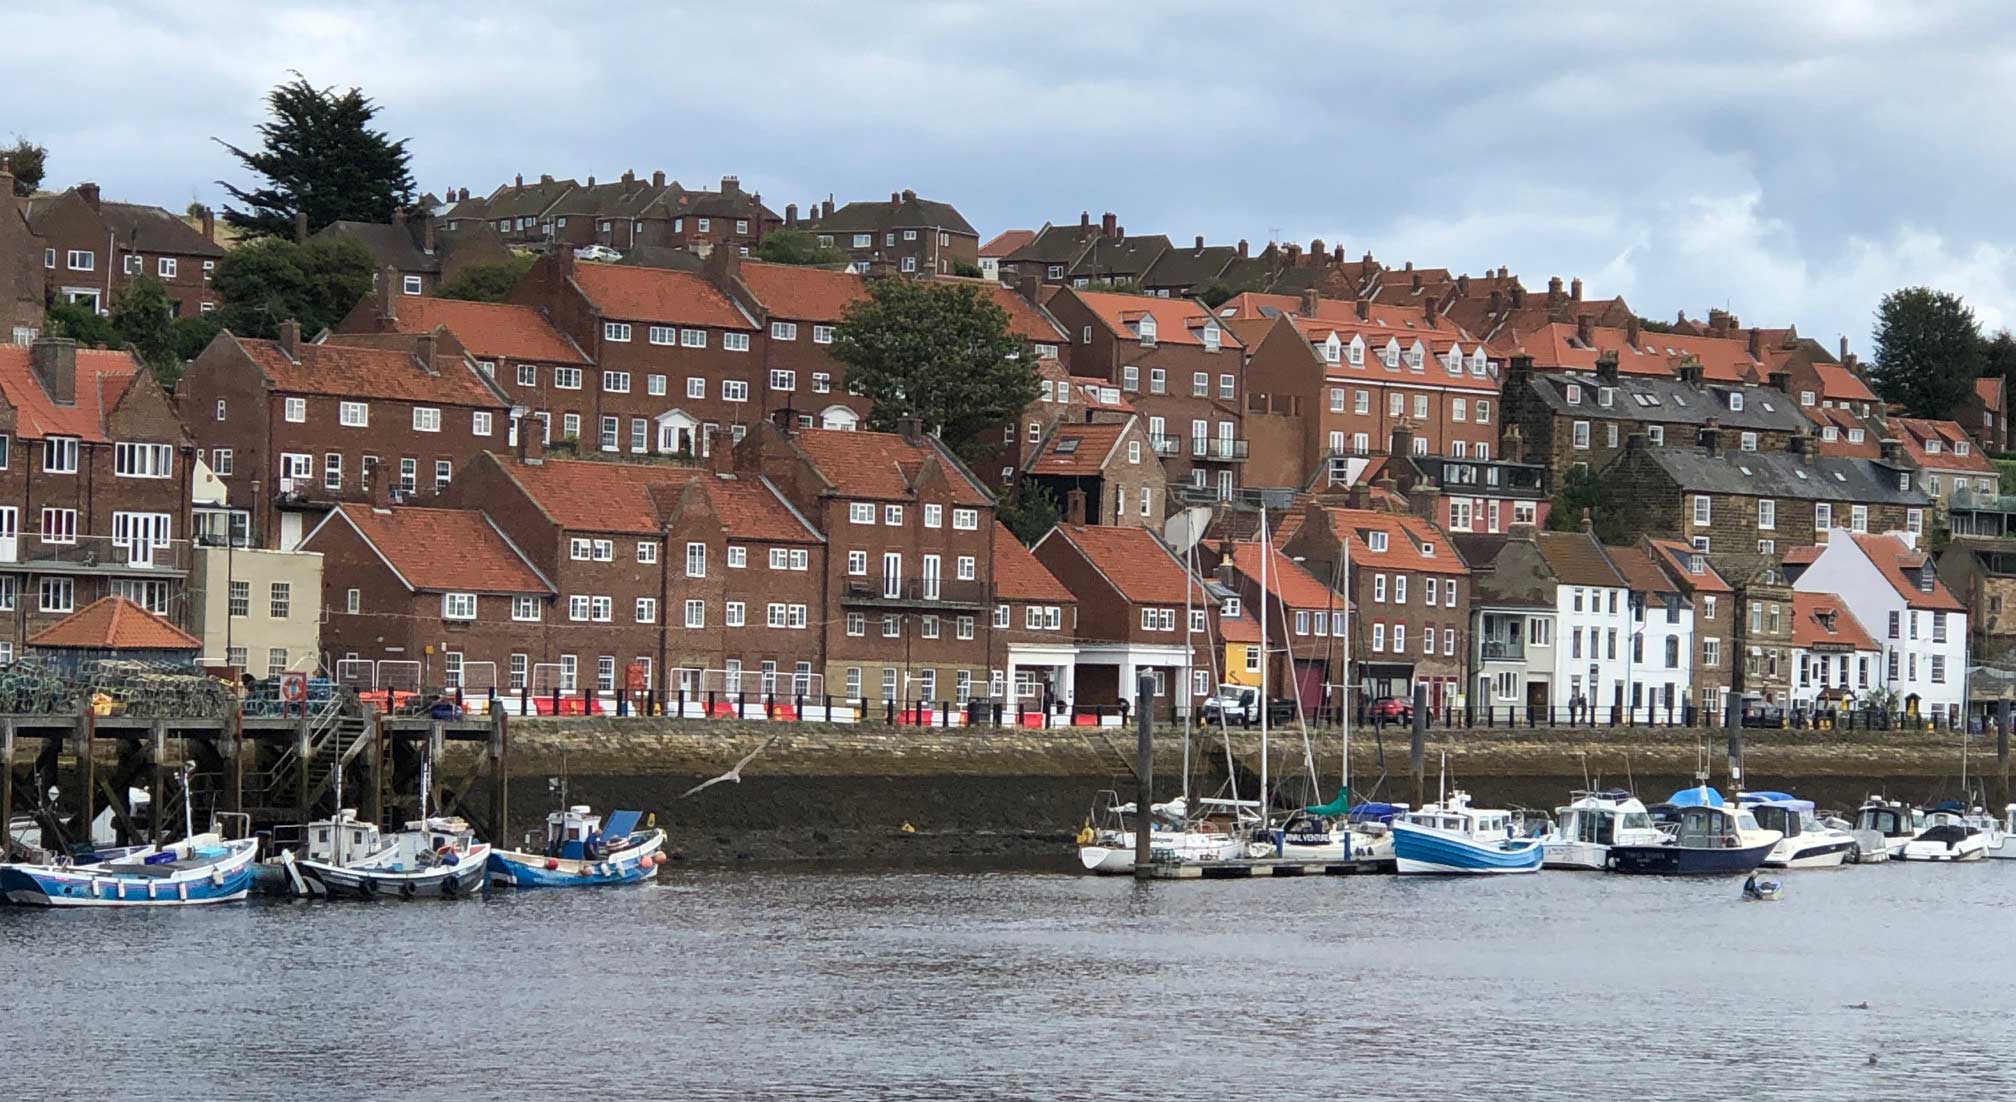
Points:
point(1791, 163)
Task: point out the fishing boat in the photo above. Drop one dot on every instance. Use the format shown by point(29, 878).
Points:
point(203, 868)
point(1884, 825)
point(1807, 844)
point(1706, 837)
point(1594, 822)
point(324, 841)
point(1451, 837)
point(436, 858)
point(580, 852)
point(1106, 846)
point(1948, 835)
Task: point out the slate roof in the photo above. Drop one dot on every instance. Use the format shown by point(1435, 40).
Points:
point(359, 371)
point(489, 330)
point(657, 295)
point(1577, 559)
point(882, 215)
point(388, 244)
point(633, 498)
point(114, 623)
point(1120, 258)
point(1809, 625)
point(1659, 400)
point(1900, 565)
point(102, 379)
point(1191, 267)
point(796, 292)
point(524, 200)
point(881, 465)
point(1784, 475)
point(1053, 245)
point(1019, 577)
point(441, 549)
point(148, 229)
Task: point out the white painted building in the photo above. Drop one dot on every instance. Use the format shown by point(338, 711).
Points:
point(1834, 659)
point(1660, 671)
point(1918, 627)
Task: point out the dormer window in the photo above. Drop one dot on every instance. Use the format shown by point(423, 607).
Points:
point(1735, 402)
point(1332, 350)
point(1146, 329)
point(1960, 448)
point(1427, 550)
point(1605, 395)
point(1854, 436)
point(1212, 335)
point(1391, 357)
point(1574, 395)
point(1830, 434)
point(1931, 447)
point(1903, 483)
point(1356, 352)
point(1376, 540)
point(1231, 606)
point(1925, 576)
point(1696, 564)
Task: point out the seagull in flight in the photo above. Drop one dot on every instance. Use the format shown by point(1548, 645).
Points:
point(734, 774)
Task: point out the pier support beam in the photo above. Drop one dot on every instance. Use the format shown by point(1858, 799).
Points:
point(437, 741)
point(302, 754)
point(1733, 717)
point(157, 749)
point(1417, 747)
point(7, 789)
point(87, 773)
point(500, 778)
point(374, 794)
point(1144, 770)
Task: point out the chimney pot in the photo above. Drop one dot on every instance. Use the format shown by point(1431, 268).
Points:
point(909, 196)
point(1588, 525)
point(1316, 247)
point(518, 180)
point(1575, 289)
point(1242, 256)
point(895, 197)
point(1200, 242)
point(658, 177)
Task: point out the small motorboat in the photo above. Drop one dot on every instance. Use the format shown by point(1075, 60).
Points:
point(1594, 822)
point(204, 868)
point(2002, 843)
point(1762, 891)
point(1807, 844)
point(1451, 837)
point(580, 852)
point(1949, 835)
point(1705, 838)
point(1106, 845)
point(437, 858)
point(1884, 825)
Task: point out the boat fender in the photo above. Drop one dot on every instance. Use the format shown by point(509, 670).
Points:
point(406, 890)
point(552, 863)
point(367, 887)
point(450, 888)
point(583, 871)
point(1085, 836)
point(217, 877)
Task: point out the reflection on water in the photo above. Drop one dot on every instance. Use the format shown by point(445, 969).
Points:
point(863, 984)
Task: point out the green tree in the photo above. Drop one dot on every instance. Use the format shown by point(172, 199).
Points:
point(192, 333)
point(27, 161)
point(968, 271)
point(940, 352)
point(488, 282)
point(796, 247)
point(80, 323)
point(144, 320)
point(1580, 490)
point(1928, 352)
point(1998, 355)
point(318, 154)
point(269, 280)
point(1115, 286)
point(1029, 511)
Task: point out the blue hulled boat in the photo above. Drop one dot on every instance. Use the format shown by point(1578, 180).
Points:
point(580, 853)
point(1453, 838)
point(204, 869)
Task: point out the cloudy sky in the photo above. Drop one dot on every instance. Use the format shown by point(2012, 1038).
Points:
point(1791, 165)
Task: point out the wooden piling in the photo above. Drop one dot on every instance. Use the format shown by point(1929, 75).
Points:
point(7, 789)
point(157, 748)
point(1417, 746)
point(436, 742)
point(302, 753)
point(87, 769)
point(1144, 769)
point(500, 778)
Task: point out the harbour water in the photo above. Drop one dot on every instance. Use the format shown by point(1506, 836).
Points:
point(904, 984)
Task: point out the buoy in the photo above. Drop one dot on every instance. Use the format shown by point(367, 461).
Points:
point(552, 863)
point(907, 828)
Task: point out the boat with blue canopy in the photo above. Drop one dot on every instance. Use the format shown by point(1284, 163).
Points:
point(581, 852)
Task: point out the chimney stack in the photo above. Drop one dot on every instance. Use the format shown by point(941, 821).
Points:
point(786, 420)
point(1030, 287)
point(1711, 437)
point(1074, 508)
point(427, 234)
point(531, 441)
point(1889, 449)
point(629, 177)
point(1402, 442)
point(388, 300)
point(1756, 343)
point(1364, 309)
point(1518, 297)
point(1844, 347)
point(1414, 281)
point(1606, 367)
point(1555, 296)
point(1309, 302)
point(426, 347)
point(1430, 309)
point(790, 215)
point(1425, 500)
point(1575, 289)
point(1631, 331)
point(462, 195)
point(1200, 243)
point(1512, 445)
point(53, 360)
point(1780, 380)
point(290, 338)
point(1585, 330)
point(1463, 285)
point(1316, 249)
point(1107, 223)
point(518, 180)
point(300, 227)
point(89, 193)
point(658, 177)
point(1587, 526)
point(911, 429)
point(1242, 256)
point(209, 225)
point(909, 196)
point(1497, 300)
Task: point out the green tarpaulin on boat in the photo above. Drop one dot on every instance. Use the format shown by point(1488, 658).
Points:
point(1337, 806)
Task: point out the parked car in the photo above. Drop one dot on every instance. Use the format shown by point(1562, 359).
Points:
point(598, 252)
point(1241, 704)
point(1758, 713)
point(1392, 709)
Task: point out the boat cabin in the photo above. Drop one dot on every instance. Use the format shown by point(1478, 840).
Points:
point(1780, 812)
point(1471, 824)
point(344, 834)
point(577, 835)
point(1887, 819)
point(1713, 827)
point(1596, 817)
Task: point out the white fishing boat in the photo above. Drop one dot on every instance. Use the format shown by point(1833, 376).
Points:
point(1107, 845)
point(1884, 826)
point(1807, 843)
point(1591, 824)
point(1949, 834)
point(1451, 837)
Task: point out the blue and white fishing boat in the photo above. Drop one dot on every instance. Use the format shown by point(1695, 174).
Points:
point(1451, 837)
point(205, 868)
point(581, 853)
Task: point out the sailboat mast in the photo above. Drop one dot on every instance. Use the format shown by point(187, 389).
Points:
point(1189, 659)
point(1344, 586)
point(1266, 660)
point(336, 819)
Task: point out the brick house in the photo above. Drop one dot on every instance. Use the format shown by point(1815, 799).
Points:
point(1978, 566)
point(293, 427)
point(95, 470)
point(418, 596)
point(21, 292)
point(707, 581)
point(909, 572)
point(906, 233)
point(1411, 589)
point(676, 356)
point(730, 220)
point(521, 354)
point(1115, 258)
point(1715, 615)
point(516, 210)
point(1132, 594)
point(1179, 367)
point(1180, 273)
point(419, 256)
point(1457, 495)
point(1113, 464)
point(1764, 634)
point(1306, 648)
point(1949, 462)
point(1755, 503)
point(1833, 657)
point(797, 307)
point(91, 248)
point(1034, 642)
point(1049, 253)
point(1986, 416)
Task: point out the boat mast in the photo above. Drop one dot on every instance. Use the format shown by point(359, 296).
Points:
point(1266, 660)
point(1189, 659)
point(1345, 580)
point(336, 820)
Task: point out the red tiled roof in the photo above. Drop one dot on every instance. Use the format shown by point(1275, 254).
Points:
point(1407, 538)
point(357, 371)
point(796, 292)
point(590, 496)
point(654, 294)
point(1843, 422)
point(1024, 320)
point(1287, 581)
point(102, 378)
point(489, 330)
point(879, 464)
point(1007, 241)
point(114, 623)
point(1411, 318)
point(1242, 628)
point(1803, 556)
point(1641, 573)
point(1093, 393)
point(1555, 344)
point(1017, 574)
point(1842, 385)
point(1679, 555)
point(1893, 560)
point(1177, 320)
point(442, 549)
point(1989, 390)
point(1919, 436)
point(1134, 561)
point(1809, 629)
point(1372, 368)
point(1078, 449)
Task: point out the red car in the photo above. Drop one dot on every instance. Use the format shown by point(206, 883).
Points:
point(1393, 709)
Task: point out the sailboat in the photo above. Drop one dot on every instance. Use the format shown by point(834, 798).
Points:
point(1107, 845)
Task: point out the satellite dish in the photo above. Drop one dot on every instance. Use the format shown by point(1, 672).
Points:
point(1182, 531)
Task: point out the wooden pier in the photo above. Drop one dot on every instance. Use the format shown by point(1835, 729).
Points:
point(1242, 869)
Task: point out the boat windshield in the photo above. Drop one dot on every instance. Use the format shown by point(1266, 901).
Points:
point(1637, 820)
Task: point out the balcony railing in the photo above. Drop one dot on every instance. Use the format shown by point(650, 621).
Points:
point(95, 554)
point(1165, 445)
point(1218, 448)
point(914, 592)
point(1508, 650)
